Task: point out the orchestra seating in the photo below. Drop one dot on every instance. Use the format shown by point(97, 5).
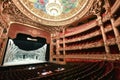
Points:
point(101, 70)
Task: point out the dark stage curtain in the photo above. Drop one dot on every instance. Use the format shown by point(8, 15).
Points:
point(24, 44)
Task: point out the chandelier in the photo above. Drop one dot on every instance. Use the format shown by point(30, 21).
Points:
point(54, 8)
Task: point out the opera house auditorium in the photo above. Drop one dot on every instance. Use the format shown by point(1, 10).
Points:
point(59, 39)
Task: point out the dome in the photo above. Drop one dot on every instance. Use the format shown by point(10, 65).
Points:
point(54, 12)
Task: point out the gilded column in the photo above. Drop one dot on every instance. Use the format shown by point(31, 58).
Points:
point(100, 23)
point(116, 32)
point(97, 8)
point(63, 41)
point(51, 48)
point(64, 45)
point(57, 48)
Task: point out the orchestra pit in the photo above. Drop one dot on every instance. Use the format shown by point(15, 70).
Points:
point(59, 39)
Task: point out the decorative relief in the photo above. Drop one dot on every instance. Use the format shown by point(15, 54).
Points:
point(34, 32)
point(96, 8)
point(16, 16)
point(1, 30)
point(4, 17)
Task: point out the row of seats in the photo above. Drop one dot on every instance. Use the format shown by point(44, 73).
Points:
point(83, 34)
point(84, 45)
point(87, 71)
point(70, 71)
point(26, 72)
point(21, 73)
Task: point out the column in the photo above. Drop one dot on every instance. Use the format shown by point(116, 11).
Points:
point(64, 46)
point(100, 23)
point(117, 37)
point(63, 41)
point(116, 32)
point(51, 48)
point(57, 49)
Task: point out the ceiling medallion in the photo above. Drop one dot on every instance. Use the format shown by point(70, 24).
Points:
point(54, 12)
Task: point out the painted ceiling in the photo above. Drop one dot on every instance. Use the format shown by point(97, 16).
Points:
point(54, 7)
point(53, 12)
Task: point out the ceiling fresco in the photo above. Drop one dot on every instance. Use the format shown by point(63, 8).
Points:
point(54, 12)
point(54, 7)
